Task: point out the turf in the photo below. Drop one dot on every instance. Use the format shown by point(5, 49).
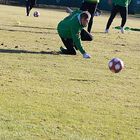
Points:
point(48, 96)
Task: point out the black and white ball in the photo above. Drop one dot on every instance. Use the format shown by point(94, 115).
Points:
point(116, 65)
point(36, 14)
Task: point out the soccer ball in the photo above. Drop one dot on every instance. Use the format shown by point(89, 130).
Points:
point(36, 14)
point(116, 65)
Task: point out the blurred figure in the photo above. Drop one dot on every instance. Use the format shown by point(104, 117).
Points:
point(120, 6)
point(29, 5)
point(90, 6)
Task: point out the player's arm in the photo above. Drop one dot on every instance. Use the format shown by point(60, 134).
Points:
point(76, 38)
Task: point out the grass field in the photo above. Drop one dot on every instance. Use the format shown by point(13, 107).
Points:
point(47, 96)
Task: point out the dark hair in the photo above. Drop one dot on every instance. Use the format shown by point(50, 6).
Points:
point(85, 15)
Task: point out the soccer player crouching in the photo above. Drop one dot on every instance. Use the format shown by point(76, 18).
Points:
point(69, 30)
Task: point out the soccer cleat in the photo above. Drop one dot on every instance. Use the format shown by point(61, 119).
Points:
point(122, 30)
point(62, 49)
point(28, 12)
point(106, 30)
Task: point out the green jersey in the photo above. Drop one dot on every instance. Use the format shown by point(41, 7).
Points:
point(92, 1)
point(123, 3)
point(70, 27)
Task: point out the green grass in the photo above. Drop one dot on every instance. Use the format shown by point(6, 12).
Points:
point(45, 96)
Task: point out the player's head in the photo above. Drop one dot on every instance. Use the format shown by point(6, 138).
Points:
point(85, 17)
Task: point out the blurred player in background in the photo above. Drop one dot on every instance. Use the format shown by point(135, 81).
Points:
point(120, 6)
point(91, 7)
point(29, 5)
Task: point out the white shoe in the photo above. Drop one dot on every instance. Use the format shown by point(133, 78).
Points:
point(86, 55)
point(122, 30)
point(106, 30)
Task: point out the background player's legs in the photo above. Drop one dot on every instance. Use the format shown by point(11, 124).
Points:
point(112, 16)
point(84, 6)
point(123, 13)
point(27, 7)
point(32, 4)
point(69, 45)
point(92, 9)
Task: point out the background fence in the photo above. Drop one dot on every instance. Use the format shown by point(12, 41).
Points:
point(133, 8)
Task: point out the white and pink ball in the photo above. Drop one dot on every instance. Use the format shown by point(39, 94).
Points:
point(116, 65)
point(36, 14)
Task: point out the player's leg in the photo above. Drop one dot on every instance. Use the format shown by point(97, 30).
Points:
point(27, 7)
point(86, 36)
point(32, 4)
point(111, 18)
point(123, 13)
point(91, 8)
point(69, 47)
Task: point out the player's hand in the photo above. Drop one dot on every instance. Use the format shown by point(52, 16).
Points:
point(86, 55)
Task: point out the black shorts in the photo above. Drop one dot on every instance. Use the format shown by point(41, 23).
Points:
point(31, 2)
point(90, 7)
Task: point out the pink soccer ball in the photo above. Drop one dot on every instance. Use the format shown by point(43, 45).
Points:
point(116, 65)
point(36, 14)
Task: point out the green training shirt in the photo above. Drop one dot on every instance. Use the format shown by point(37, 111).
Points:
point(70, 27)
point(92, 1)
point(123, 3)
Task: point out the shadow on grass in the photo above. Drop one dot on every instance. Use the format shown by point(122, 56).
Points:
point(14, 30)
point(137, 16)
point(31, 27)
point(83, 80)
point(29, 52)
point(98, 32)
